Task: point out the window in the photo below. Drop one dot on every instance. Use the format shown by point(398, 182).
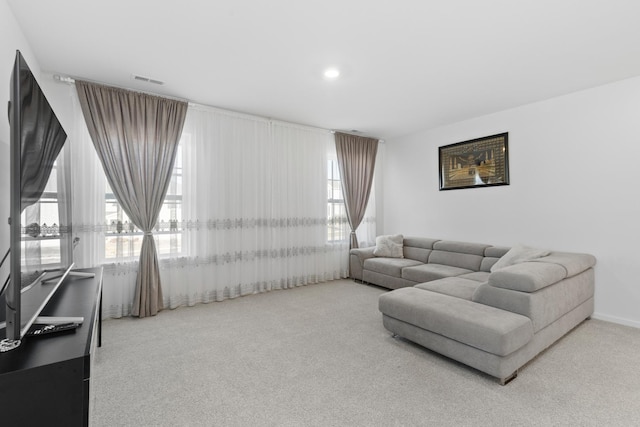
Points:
point(123, 239)
point(336, 213)
point(42, 233)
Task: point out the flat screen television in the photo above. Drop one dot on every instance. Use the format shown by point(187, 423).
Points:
point(36, 141)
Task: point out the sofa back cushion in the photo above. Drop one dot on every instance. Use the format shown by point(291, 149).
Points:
point(458, 254)
point(418, 248)
point(491, 255)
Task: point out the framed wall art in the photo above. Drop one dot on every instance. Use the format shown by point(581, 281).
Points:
point(481, 162)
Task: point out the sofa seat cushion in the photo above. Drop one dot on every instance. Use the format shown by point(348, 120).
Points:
point(487, 328)
point(453, 286)
point(429, 272)
point(389, 266)
point(478, 276)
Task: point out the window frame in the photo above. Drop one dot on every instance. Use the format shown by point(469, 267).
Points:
point(122, 227)
point(55, 230)
point(334, 233)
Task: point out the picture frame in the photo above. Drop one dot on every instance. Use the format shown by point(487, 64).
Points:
point(480, 162)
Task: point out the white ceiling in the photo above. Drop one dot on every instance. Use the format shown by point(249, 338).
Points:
point(406, 65)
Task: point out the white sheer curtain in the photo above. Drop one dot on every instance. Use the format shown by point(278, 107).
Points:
point(254, 209)
point(252, 216)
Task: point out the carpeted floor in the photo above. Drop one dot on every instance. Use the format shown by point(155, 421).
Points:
point(318, 356)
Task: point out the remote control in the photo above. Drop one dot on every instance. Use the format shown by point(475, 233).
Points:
point(52, 329)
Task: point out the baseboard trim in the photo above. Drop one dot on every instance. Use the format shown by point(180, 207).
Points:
point(614, 319)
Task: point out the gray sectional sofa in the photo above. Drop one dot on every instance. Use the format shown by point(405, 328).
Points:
point(446, 298)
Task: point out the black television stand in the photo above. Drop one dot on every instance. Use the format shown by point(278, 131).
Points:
point(47, 380)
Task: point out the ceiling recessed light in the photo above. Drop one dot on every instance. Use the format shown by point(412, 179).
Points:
point(331, 73)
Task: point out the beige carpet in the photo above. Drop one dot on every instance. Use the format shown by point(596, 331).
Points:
point(319, 356)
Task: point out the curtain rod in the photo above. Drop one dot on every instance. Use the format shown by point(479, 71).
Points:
point(252, 116)
point(356, 133)
point(71, 80)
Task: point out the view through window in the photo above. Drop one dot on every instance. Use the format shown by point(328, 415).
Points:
point(124, 240)
point(41, 234)
point(336, 213)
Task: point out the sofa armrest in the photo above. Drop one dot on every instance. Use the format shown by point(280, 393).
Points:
point(573, 263)
point(539, 273)
point(545, 305)
point(527, 276)
point(357, 258)
point(363, 253)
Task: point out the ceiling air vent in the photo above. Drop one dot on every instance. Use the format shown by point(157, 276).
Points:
point(147, 79)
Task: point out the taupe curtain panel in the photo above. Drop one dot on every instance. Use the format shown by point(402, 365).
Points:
point(356, 162)
point(136, 136)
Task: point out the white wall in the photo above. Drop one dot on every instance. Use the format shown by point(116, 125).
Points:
point(575, 186)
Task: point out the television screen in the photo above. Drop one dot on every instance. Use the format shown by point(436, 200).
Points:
point(41, 138)
point(37, 138)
